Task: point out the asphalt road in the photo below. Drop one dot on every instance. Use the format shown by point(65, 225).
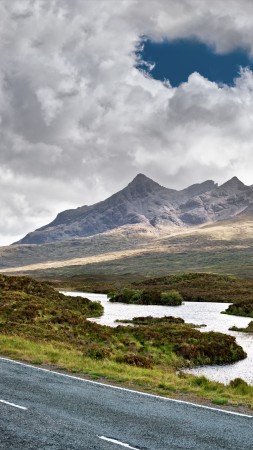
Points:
point(40, 409)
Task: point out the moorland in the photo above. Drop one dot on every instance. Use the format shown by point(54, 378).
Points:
point(40, 325)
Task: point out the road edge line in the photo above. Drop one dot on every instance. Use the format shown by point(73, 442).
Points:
point(13, 404)
point(147, 394)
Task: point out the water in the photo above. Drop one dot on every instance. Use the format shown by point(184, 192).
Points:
point(192, 312)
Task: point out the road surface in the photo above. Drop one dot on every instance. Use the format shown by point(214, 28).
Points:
point(41, 409)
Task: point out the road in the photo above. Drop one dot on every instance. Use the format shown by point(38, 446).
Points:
point(41, 409)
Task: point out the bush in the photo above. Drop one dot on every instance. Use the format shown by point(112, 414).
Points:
point(126, 296)
point(240, 386)
point(146, 297)
point(171, 298)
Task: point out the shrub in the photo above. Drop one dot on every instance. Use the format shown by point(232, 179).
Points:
point(146, 297)
point(240, 386)
point(171, 298)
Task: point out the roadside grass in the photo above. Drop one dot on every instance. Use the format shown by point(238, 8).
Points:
point(156, 380)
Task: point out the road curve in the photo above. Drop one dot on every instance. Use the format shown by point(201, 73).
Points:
point(41, 409)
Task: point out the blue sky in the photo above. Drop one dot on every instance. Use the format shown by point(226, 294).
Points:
point(176, 60)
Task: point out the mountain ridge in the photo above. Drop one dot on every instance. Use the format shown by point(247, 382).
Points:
point(144, 201)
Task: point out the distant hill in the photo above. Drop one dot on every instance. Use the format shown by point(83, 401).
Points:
point(221, 247)
point(153, 207)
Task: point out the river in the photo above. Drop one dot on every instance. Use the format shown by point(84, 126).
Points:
point(198, 313)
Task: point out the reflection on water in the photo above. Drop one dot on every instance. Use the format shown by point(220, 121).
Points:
point(192, 312)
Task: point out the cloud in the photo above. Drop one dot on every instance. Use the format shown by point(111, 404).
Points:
point(78, 120)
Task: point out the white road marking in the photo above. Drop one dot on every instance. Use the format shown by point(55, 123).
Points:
point(132, 391)
point(13, 404)
point(114, 441)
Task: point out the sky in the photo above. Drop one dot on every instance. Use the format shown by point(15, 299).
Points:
point(92, 92)
point(175, 60)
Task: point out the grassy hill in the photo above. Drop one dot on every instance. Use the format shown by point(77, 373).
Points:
point(224, 247)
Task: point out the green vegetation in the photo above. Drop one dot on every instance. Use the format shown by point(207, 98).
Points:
point(203, 287)
point(149, 320)
point(240, 386)
point(210, 287)
point(192, 286)
point(146, 297)
point(242, 307)
point(248, 329)
point(171, 298)
point(33, 310)
point(40, 325)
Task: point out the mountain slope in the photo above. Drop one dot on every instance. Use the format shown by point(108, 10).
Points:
point(221, 247)
point(147, 203)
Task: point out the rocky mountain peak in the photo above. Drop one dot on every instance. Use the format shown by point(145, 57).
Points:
point(199, 188)
point(142, 181)
point(141, 186)
point(140, 178)
point(233, 183)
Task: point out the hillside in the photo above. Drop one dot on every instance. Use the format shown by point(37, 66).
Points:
point(223, 247)
point(24, 300)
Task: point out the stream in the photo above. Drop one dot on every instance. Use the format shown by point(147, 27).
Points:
point(198, 313)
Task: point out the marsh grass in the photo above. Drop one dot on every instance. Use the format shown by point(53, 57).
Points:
point(42, 326)
point(34, 310)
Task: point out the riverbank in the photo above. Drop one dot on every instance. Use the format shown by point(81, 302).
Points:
point(248, 329)
point(192, 287)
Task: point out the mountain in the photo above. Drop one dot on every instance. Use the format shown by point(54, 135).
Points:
point(147, 204)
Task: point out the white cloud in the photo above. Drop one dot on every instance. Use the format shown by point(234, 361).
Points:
point(78, 121)
point(50, 104)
